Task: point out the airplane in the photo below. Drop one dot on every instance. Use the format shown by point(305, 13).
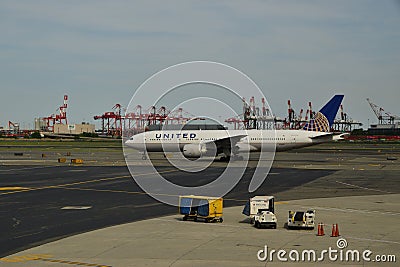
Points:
point(199, 143)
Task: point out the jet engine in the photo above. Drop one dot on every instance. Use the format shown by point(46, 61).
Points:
point(199, 150)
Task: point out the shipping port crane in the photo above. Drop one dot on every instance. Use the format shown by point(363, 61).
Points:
point(383, 116)
point(60, 118)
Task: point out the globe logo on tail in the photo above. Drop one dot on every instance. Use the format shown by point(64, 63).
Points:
point(319, 124)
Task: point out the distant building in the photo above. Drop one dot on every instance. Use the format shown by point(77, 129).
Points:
point(384, 129)
point(40, 124)
point(74, 129)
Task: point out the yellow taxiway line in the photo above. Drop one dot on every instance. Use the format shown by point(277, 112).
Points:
point(13, 188)
point(20, 190)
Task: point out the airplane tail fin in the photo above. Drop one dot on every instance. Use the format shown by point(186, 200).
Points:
point(324, 118)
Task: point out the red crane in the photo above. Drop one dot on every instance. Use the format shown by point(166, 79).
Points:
point(60, 118)
point(111, 122)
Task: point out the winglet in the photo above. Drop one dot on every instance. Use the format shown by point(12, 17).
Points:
point(325, 117)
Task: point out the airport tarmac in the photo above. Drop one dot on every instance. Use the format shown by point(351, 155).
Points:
point(40, 201)
point(41, 204)
point(365, 223)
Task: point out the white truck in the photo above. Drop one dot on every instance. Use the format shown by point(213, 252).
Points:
point(301, 219)
point(261, 210)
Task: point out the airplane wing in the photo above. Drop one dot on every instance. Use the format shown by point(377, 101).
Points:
point(225, 144)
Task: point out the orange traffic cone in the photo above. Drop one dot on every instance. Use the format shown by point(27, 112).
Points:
point(320, 229)
point(333, 231)
point(337, 230)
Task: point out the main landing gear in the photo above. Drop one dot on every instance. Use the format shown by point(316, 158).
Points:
point(233, 157)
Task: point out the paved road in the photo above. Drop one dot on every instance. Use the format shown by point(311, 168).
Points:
point(32, 199)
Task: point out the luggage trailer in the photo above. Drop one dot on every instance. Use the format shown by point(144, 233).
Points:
point(209, 209)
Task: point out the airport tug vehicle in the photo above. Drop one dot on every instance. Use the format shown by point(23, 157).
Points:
point(206, 208)
point(265, 218)
point(301, 219)
point(261, 210)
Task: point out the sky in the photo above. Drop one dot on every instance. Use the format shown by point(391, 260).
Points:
point(100, 52)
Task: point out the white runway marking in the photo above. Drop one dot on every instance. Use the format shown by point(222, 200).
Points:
point(76, 207)
point(362, 187)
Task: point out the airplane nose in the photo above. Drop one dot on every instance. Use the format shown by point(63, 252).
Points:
point(130, 141)
point(135, 142)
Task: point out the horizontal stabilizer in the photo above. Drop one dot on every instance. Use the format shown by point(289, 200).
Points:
point(322, 136)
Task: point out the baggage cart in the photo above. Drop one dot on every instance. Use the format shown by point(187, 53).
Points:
point(206, 208)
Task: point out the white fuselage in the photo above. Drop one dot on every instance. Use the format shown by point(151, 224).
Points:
point(252, 140)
